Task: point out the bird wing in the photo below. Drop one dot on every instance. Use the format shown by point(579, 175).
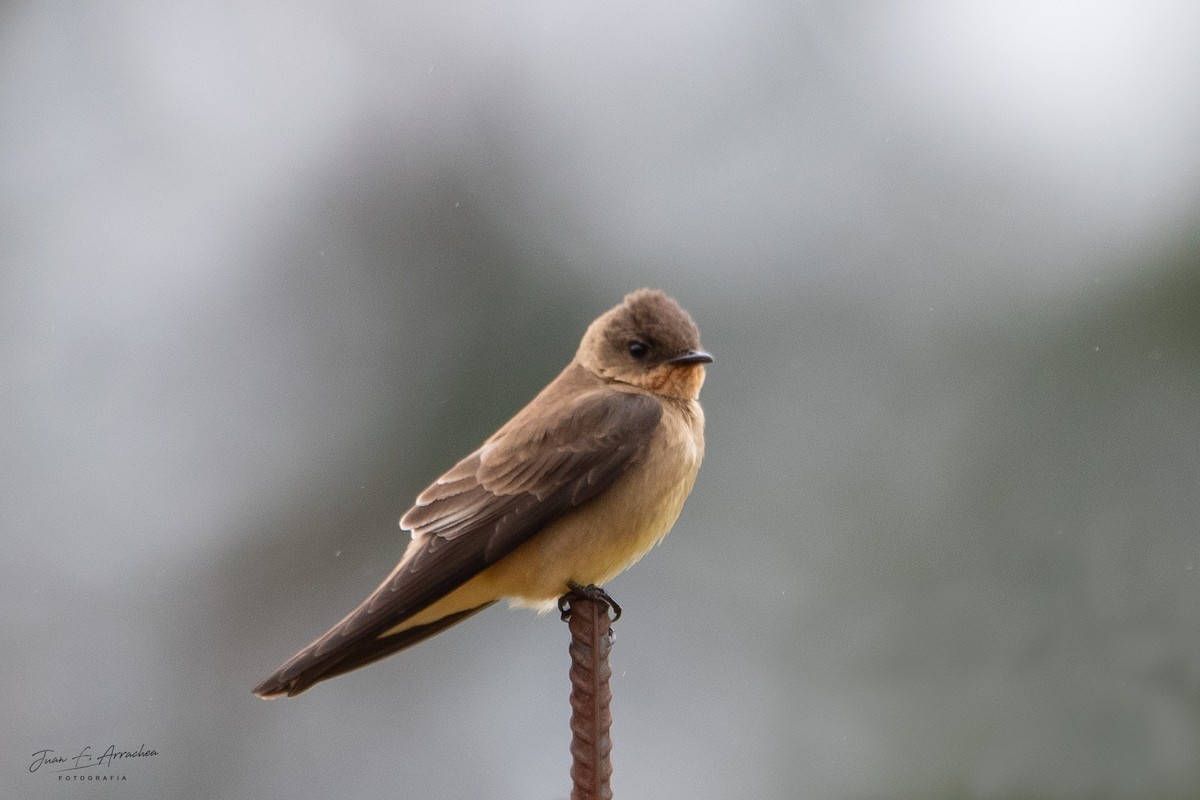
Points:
point(529, 473)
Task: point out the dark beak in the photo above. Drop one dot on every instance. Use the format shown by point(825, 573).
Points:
point(691, 357)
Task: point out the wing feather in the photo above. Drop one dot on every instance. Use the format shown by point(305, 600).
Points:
point(530, 472)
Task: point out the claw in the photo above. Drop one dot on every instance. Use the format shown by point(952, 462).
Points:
point(590, 592)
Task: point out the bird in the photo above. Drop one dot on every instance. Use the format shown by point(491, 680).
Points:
point(576, 487)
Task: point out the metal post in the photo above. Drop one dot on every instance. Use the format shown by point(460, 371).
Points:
point(586, 611)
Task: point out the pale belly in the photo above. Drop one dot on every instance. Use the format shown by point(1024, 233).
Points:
point(592, 545)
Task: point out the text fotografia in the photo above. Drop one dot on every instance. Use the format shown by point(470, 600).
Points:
point(86, 759)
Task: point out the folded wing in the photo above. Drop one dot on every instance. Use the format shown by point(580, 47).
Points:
point(529, 473)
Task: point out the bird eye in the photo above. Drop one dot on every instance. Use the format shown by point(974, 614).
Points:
point(638, 350)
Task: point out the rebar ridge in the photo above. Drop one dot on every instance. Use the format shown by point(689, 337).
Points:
point(586, 612)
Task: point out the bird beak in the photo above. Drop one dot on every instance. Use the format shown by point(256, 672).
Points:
point(691, 357)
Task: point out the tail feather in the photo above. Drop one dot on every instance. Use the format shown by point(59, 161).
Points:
point(318, 662)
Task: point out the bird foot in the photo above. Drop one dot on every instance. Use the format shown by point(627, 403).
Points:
point(589, 592)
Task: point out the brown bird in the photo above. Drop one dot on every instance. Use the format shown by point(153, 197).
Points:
point(576, 487)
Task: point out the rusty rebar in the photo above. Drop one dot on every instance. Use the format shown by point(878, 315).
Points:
point(586, 612)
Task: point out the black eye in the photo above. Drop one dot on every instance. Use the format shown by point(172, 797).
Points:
point(638, 350)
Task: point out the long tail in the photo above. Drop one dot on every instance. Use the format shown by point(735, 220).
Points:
point(321, 661)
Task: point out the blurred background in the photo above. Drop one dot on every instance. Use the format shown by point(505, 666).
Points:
point(268, 269)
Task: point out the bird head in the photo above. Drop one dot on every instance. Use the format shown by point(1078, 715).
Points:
point(647, 341)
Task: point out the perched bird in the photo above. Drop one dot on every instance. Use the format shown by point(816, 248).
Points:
point(576, 487)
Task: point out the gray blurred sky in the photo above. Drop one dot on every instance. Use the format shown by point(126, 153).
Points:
point(268, 269)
